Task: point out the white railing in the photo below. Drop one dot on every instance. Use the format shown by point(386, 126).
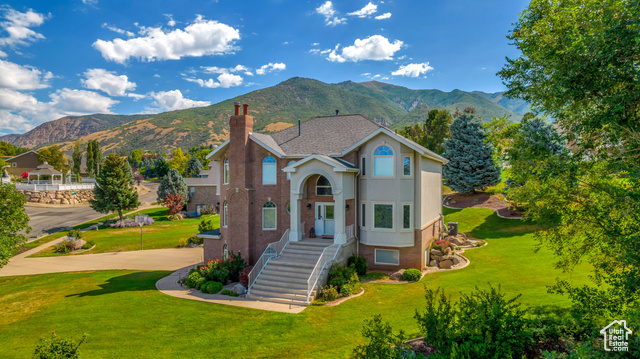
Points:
point(351, 231)
point(325, 258)
point(273, 250)
point(54, 187)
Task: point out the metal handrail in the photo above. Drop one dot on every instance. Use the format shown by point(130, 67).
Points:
point(273, 250)
point(318, 269)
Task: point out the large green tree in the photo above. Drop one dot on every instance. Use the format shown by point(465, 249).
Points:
point(55, 157)
point(470, 165)
point(173, 183)
point(579, 64)
point(14, 220)
point(194, 166)
point(77, 156)
point(114, 191)
point(433, 132)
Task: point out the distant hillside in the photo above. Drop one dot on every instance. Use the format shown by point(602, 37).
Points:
point(67, 129)
point(274, 108)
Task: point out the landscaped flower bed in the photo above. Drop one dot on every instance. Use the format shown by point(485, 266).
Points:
point(211, 277)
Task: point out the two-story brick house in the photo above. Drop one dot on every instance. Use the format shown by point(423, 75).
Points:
point(345, 176)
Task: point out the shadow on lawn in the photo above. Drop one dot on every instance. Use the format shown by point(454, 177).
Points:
point(132, 282)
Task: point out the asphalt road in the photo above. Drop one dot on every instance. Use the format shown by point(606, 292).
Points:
point(50, 219)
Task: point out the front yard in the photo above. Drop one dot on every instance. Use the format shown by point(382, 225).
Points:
point(163, 233)
point(124, 313)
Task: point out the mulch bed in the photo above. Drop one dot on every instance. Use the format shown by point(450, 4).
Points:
point(482, 200)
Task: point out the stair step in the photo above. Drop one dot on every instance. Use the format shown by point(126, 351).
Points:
point(277, 289)
point(302, 284)
point(273, 294)
point(305, 251)
point(277, 300)
point(299, 264)
point(289, 277)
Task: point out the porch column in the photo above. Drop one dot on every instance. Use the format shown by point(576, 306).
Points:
point(340, 218)
point(295, 232)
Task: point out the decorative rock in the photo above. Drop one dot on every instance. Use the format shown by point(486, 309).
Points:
point(79, 243)
point(433, 263)
point(436, 253)
point(65, 201)
point(456, 261)
point(446, 264)
point(239, 289)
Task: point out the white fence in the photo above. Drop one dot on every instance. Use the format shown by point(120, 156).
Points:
point(54, 187)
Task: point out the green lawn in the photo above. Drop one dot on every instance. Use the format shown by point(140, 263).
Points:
point(163, 233)
point(124, 314)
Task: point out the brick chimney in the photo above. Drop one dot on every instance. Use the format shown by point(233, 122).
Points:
point(240, 126)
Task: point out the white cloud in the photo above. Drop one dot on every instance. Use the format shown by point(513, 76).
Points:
point(170, 21)
point(79, 102)
point(17, 77)
point(225, 80)
point(374, 47)
point(16, 100)
point(226, 70)
point(108, 82)
point(386, 15)
point(90, 2)
point(413, 70)
point(367, 10)
point(118, 30)
point(17, 25)
point(156, 76)
point(270, 67)
point(202, 38)
point(173, 100)
point(330, 15)
point(315, 44)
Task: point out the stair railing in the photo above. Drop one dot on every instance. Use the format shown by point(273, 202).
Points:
point(273, 250)
point(326, 257)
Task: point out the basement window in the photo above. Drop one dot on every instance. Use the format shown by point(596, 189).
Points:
point(387, 256)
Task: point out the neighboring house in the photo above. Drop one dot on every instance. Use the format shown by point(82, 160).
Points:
point(203, 190)
point(346, 177)
point(22, 163)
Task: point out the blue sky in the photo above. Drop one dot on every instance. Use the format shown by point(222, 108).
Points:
point(76, 57)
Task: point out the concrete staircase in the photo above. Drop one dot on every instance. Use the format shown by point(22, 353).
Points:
point(284, 279)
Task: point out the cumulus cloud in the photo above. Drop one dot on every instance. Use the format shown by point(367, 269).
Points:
point(108, 82)
point(331, 17)
point(374, 47)
point(367, 10)
point(18, 77)
point(202, 38)
point(413, 70)
point(386, 15)
point(226, 70)
point(225, 80)
point(173, 100)
point(170, 21)
point(18, 25)
point(270, 67)
point(118, 30)
point(79, 102)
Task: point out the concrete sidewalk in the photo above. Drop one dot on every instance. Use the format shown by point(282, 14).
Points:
point(169, 285)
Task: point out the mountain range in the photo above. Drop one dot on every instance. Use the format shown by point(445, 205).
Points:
point(274, 108)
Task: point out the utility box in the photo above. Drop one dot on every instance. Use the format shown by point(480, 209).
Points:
point(453, 228)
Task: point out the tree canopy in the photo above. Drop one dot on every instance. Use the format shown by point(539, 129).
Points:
point(433, 132)
point(14, 220)
point(114, 191)
point(173, 183)
point(55, 157)
point(194, 166)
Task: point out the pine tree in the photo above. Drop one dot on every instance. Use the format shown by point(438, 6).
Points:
point(114, 191)
point(172, 183)
point(14, 222)
point(161, 168)
point(194, 166)
point(470, 166)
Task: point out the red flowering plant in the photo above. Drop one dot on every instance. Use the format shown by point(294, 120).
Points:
point(223, 270)
point(443, 246)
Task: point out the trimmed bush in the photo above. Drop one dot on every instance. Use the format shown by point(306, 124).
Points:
point(412, 275)
point(346, 290)
point(75, 233)
point(195, 280)
point(88, 244)
point(211, 287)
point(359, 263)
point(206, 224)
point(57, 347)
point(329, 293)
point(195, 240)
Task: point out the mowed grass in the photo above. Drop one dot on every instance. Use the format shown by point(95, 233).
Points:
point(127, 317)
point(163, 233)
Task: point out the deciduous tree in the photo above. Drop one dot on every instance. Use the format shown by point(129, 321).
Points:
point(433, 132)
point(77, 156)
point(14, 220)
point(55, 157)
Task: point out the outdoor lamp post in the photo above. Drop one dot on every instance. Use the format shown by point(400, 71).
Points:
point(141, 219)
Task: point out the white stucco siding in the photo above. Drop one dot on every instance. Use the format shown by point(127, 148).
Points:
point(397, 190)
point(431, 188)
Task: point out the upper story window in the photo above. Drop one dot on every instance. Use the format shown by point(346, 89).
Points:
point(224, 214)
point(383, 162)
point(363, 166)
point(406, 165)
point(192, 192)
point(323, 187)
point(14, 164)
point(225, 175)
point(269, 215)
point(269, 170)
point(289, 173)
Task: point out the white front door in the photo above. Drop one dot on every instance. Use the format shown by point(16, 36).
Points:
point(325, 222)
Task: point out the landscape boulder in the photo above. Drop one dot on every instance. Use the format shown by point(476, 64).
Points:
point(446, 264)
point(239, 289)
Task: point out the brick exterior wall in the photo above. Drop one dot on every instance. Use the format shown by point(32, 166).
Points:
point(410, 257)
point(202, 196)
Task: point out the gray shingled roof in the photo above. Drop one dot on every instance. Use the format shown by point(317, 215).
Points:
point(268, 141)
point(324, 135)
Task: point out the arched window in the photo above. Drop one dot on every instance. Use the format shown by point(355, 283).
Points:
point(269, 216)
point(323, 187)
point(269, 170)
point(226, 171)
point(383, 162)
point(289, 173)
point(224, 214)
point(289, 207)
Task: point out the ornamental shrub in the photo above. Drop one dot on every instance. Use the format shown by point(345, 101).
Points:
point(329, 293)
point(211, 287)
point(229, 293)
point(58, 348)
point(195, 280)
point(443, 246)
point(412, 275)
point(195, 240)
point(75, 233)
point(359, 263)
point(183, 242)
point(346, 290)
point(207, 224)
point(88, 244)
point(343, 276)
